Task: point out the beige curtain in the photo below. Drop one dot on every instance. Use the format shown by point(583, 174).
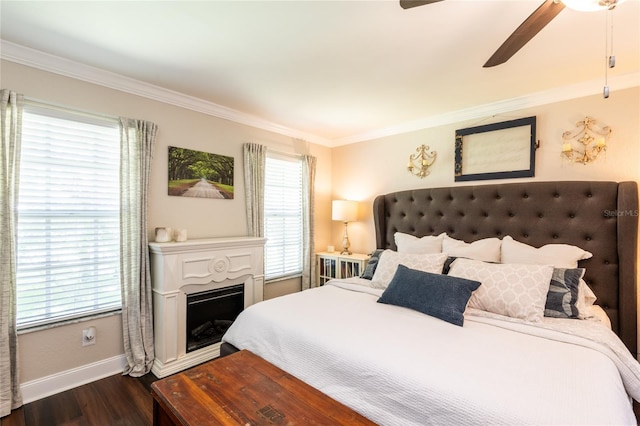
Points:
point(137, 140)
point(10, 138)
point(308, 220)
point(254, 171)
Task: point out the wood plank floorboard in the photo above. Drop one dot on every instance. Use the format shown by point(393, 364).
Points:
point(115, 400)
point(58, 409)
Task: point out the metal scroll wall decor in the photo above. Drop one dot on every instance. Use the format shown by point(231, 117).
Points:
point(420, 162)
point(592, 140)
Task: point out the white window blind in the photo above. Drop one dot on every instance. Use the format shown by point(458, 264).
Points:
point(283, 217)
point(68, 249)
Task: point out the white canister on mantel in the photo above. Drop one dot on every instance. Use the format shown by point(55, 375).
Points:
point(163, 235)
point(180, 235)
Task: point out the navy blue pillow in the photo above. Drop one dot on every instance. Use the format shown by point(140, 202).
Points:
point(440, 296)
point(372, 263)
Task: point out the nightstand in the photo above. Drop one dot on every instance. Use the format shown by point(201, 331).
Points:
point(335, 265)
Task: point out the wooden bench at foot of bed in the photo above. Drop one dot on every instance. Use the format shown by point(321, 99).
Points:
point(244, 389)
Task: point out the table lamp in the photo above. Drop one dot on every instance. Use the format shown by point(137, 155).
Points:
point(345, 211)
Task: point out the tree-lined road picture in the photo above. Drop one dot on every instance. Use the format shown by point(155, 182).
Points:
point(199, 174)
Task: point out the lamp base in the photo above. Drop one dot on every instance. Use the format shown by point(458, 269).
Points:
point(345, 242)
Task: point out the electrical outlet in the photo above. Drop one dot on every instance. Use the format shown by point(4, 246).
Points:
point(89, 336)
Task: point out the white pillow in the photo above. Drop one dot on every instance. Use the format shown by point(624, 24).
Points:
point(487, 249)
point(518, 291)
point(389, 261)
point(597, 314)
point(586, 299)
point(426, 245)
point(558, 255)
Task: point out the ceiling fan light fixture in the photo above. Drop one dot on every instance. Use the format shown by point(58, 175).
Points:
point(591, 5)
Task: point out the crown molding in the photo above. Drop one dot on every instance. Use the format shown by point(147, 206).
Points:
point(55, 64)
point(545, 97)
point(68, 68)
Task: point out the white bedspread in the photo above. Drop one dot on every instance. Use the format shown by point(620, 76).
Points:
point(400, 367)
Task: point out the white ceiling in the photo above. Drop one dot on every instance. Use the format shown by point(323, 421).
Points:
point(335, 70)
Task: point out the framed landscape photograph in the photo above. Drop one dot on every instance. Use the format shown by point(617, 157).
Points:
point(496, 151)
point(200, 174)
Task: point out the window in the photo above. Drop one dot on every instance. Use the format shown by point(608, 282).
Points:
point(68, 242)
point(283, 216)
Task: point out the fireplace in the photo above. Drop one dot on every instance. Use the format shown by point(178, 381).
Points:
point(200, 287)
point(211, 313)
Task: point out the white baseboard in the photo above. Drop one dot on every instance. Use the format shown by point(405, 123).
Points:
point(65, 380)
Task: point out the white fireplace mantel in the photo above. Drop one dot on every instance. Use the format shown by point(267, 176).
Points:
point(182, 268)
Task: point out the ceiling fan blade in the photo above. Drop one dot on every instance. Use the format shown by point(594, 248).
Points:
point(526, 31)
point(408, 4)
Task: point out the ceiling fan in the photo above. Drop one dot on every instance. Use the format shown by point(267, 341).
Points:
point(532, 25)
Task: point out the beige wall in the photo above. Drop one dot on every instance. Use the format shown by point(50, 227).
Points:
point(58, 349)
point(358, 171)
point(52, 351)
point(363, 170)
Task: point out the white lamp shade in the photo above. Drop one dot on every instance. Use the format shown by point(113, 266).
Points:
point(344, 210)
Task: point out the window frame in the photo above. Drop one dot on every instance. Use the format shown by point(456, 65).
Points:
point(45, 213)
point(294, 159)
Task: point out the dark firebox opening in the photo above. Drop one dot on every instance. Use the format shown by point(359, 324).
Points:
point(211, 313)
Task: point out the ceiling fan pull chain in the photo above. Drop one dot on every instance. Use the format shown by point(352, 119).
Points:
point(612, 56)
point(607, 57)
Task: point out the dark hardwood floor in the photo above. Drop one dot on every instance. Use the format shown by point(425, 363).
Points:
point(115, 400)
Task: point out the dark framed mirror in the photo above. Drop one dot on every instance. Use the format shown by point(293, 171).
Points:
point(496, 151)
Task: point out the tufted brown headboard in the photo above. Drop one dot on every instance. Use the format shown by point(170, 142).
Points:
point(601, 217)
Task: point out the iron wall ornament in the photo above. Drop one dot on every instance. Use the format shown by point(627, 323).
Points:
point(420, 162)
point(591, 136)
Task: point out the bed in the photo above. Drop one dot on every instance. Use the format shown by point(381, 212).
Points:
point(399, 366)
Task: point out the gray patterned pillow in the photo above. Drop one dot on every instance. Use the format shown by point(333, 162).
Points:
point(514, 290)
point(562, 298)
point(389, 261)
point(372, 263)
